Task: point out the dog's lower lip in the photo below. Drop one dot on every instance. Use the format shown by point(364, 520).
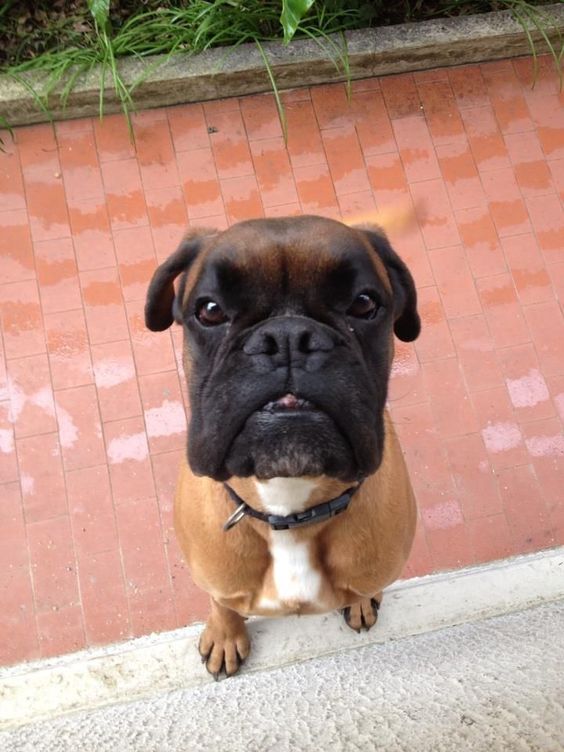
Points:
point(288, 402)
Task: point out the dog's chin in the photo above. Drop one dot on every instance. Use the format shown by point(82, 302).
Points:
point(291, 443)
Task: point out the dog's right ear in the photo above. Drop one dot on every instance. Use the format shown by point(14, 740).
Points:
point(160, 302)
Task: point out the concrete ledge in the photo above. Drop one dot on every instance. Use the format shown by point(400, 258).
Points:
point(225, 72)
point(162, 663)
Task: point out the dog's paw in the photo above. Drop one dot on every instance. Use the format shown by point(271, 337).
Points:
point(223, 653)
point(363, 615)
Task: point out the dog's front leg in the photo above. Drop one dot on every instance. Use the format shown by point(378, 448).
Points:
point(224, 643)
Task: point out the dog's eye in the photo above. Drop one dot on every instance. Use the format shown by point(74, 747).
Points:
point(209, 313)
point(363, 307)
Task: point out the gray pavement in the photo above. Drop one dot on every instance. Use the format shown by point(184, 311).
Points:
point(492, 686)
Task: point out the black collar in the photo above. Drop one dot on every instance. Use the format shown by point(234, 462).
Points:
point(318, 513)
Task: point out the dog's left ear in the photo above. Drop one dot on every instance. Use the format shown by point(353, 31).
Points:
point(407, 324)
point(161, 305)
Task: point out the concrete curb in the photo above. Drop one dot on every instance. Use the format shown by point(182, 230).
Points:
point(222, 72)
point(167, 662)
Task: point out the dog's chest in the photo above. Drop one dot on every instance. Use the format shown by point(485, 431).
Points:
point(294, 580)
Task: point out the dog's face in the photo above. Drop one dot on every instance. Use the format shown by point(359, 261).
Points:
point(288, 327)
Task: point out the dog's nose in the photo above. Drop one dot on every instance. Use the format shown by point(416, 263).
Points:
point(289, 341)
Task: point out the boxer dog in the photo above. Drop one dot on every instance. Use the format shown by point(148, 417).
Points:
point(294, 498)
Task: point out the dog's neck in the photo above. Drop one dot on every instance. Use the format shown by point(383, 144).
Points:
point(284, 496)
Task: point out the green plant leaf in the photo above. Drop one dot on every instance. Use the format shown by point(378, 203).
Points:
point(292, 13)
point(100, 10)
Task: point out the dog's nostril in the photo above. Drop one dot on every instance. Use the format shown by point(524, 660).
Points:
point(270, 345)
point(304, 342)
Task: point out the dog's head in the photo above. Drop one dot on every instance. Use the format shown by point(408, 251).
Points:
point(288, 328)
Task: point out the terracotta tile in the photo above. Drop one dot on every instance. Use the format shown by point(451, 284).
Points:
point(191, 603)
point(345, 160)
point(200, 184)
point(53, 566)
point(490, 538)
point(455, 282)
point(387, 178)
point(136, 261)
point(416, 149)
point(18, 629)
point(419, 562)
point(332, 106)
point(506, 205)
point(57, 275)
point(373, 125)
point(556, 389)
point(549, 119)
point(155, 154)
point(442, 516)
point(80, 429)
point(152, 351)
point(525, 383)
point(556, 272)
point(128, 457)
point(13, 552)
point(523, 147)
point(103, 306)
point(468, 86)
point(485, 139)
point(435, 340)
point(547, 217)
point(427, 76)
point(31, 395)
point(8, 459)
point(546, 326)
point(480, 241)
point(285, 210)
point(91, 511)
point(11, 180)
point(502, 310)
point(556, 167)
point(365, 84)
point(435, 215)
point(124, 194)
point(401, 95)
point(60, 631)
point(37, 149)
point(353, 205)
point(441, 112)
point(274, 173)
point(165, 419)
point(424, 451)
point(534, 179)
point(500, 431)
point(315, 190)
point(527, 269)
point(22, 323)
point(81, 170)
point(92, 238)
point(242, 199)
point(408, 243)
point(556, 521)
point(41, 477)
point(509, 105)
point(460, 175)
point(476, 352)
point(537, 77)
point(545, 445)
point(68, 349)
point(299, 94)
point(525, 509)
point(304, 139)
point(221, 106)
point(451, 406)
point(106, 614)
point(474, 477)
point(113, 140)
point(141, 544)
point(47, 209)
point(188, 127)
point(16, 250)
point(450, 548)
point(115, 378)
point(261, 117)
point(152, 610)
point(229, 144)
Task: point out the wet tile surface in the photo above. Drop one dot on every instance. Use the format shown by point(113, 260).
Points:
point(92, 404)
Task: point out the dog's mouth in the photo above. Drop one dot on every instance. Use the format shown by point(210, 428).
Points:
point(289, 403)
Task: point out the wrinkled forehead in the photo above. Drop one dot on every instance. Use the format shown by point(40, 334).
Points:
point(298, 252)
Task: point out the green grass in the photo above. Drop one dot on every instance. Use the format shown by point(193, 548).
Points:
point(78, 36)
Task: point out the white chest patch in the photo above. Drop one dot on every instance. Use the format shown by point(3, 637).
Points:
point(295, 579)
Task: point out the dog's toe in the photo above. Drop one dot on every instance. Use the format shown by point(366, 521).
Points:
point(362, 615)
point(223, 654)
